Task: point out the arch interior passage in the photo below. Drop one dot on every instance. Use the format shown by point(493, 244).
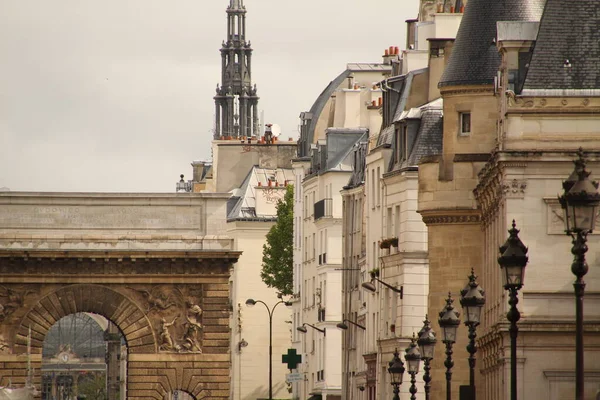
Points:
point(84, 356)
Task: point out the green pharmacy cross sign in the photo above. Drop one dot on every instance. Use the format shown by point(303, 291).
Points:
point(292, 359)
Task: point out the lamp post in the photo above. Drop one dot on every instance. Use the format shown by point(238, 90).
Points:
point(426, 344)
point(344, 326)
point(396, 370)
point(472, 299)
point(413, 359)
point(251, 303)
point(580, 202)
point(513, 259)
point(449, 322)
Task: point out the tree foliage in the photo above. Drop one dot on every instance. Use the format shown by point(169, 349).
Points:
point(278, 251)
point(93, 388)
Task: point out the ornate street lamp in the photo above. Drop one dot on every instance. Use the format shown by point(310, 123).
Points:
point(413, 359)
point(472, 300)
point(580, 202)
point(252, 303)
point(513, 259)
point(449, 322)
point(396, 370)
point(426, 344)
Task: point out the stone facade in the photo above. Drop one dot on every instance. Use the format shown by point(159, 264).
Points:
point(157, 266)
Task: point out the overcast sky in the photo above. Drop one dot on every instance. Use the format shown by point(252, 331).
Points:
point(116, 95)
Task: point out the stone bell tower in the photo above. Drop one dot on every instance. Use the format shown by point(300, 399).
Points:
point(236, 102)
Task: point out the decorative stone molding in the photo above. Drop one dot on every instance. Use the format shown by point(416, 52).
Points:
point(529, 104)
point(465, 91)
point(494, 187)
point(443, 217)
point(514, 189)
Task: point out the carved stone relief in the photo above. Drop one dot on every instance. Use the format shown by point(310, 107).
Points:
point(175, 313)
point(514, 189)
point(11, 299)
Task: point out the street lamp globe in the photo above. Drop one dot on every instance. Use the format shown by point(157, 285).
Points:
point(472, 300)
point(250, 302)
point(427, 340)
point(580, 199)
point(513, 259)
point(396, 369)
point(413, 356)
point(449, 321)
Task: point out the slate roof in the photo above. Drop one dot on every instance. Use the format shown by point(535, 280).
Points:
point(359, 163)
point(403, 84)
point(340, 144)
point(569, 30)
point(321, 101)
point(430, 138)
point(474, 59)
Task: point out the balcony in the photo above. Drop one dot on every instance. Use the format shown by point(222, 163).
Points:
point(323, 209)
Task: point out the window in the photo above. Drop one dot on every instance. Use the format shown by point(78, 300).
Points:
point(398, 146)
point(389, 227)
point(397, 222)
point(405, 142)
point(465, 123)
point(379, 186)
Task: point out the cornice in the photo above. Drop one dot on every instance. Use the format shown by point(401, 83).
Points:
point(449, 91)
point(553, 104)
point(451, 216)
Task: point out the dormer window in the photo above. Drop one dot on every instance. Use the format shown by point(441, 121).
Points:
point(464, 123)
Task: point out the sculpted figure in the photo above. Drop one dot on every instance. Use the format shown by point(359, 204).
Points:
point(190, 339)
point(157, 300)
point(194, 315)
point(165, 335)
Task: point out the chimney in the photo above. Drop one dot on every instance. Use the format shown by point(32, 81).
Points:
point(390, 54)
point(198, 169)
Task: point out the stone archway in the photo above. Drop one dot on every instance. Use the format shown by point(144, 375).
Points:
point(156, 265)
point(140, 299)
point(95, 299)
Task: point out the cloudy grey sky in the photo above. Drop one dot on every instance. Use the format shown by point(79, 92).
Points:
point(116, 95)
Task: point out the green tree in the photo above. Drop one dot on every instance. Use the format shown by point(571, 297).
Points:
point(93, 387)
point(278, 252)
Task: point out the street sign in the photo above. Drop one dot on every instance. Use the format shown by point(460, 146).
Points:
point(292, 359)
point(294, 377)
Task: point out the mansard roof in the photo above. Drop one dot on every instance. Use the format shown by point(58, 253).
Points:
point(358, 165)
point(321, 101)
point(429, 135)
point(474, 59)
point(402, 84)
point(340, 143)
point(567, 49)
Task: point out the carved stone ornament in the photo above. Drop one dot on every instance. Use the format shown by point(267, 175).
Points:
point(176, 316)
point(514, 189)
point(11, 299)
point(452, 219)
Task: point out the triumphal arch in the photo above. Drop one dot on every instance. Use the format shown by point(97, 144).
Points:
point(155, 265)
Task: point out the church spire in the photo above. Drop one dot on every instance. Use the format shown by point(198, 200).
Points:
point(236, 4)
point(236, 102)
